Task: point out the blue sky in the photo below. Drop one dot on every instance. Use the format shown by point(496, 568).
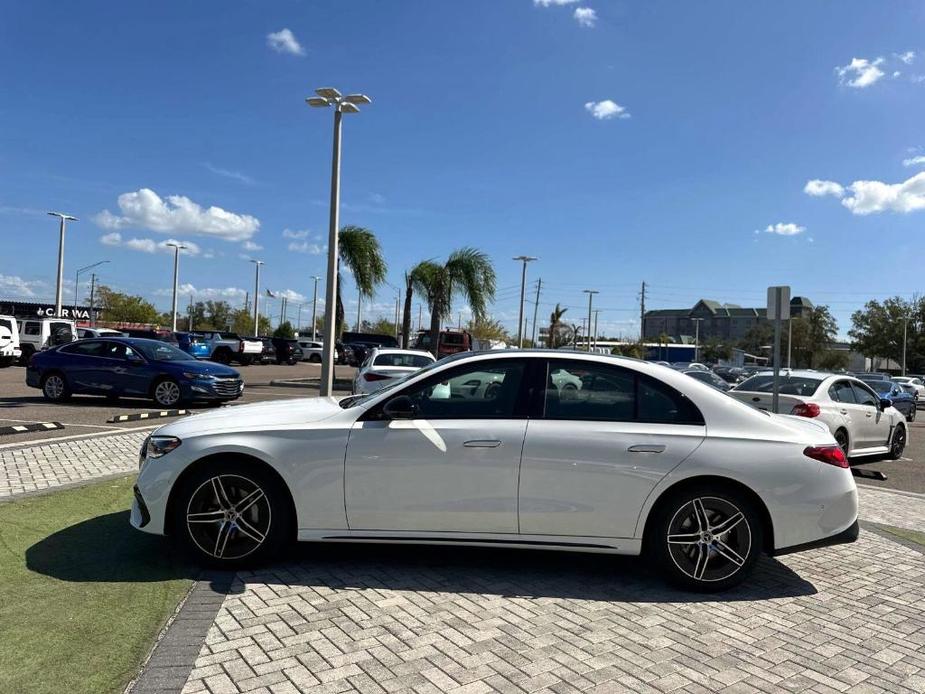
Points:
point(617, 141)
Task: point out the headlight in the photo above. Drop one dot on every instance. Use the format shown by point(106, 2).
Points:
point(160, 445)
point(197, 376)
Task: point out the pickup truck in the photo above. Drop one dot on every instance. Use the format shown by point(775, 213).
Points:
point(228, 347)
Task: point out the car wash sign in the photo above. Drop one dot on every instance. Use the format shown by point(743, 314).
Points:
point(27, 309)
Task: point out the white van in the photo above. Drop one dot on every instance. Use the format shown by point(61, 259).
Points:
point(36, 334)
point(10, 352)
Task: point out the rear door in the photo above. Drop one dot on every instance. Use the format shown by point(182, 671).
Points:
point(596, 452)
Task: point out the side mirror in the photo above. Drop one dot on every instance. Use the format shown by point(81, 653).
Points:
point(885, 403)
point(401, 407)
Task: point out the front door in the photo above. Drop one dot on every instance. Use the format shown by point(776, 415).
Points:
point(453, 466)
point(607, 435)
point(875, 427)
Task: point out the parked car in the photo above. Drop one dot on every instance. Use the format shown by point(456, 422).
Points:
point(358, 352)
point(36, 334)
point(863, 423)
point(268, 355)
point(163, 334)
point(193, 344)
point(730, 374)
point(917, 384)
point(708, 377)
point(10, 352)
point(902, 401)
point(84, 333)
point(384, 366)
point(657, 462)
point(311, 349)
point(288, 350)
point(225, 347)
point(378, 339)
point(684, 365)
point(131, 367)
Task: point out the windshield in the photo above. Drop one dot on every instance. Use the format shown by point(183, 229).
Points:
point(789, 385)
point(161, 351)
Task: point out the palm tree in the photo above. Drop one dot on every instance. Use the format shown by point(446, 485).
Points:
point(414, 281)
point(468, 273)
point(555, 325)
point(359, 250)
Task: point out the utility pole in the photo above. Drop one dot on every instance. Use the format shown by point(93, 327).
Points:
point(420, 312)
point(523, 285)
point(642, 313)
point(697, 322)
point(359, 304)
point(397, 302)
point(314, 306)
point(596, 311)
point(59, 287)
point(590, 293)
point(257, 264)
point(92, 295)
point(536, 307)
point(905, 341)
point(190, 313)
point(177, 247)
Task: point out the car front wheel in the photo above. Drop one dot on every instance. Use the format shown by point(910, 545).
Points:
point(232, 514)
point(897, 443)
point(706, 539)
point(167, 393)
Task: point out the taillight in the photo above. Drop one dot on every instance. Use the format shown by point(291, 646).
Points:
point(831, 455)
point(369, 376)
point(806, 409)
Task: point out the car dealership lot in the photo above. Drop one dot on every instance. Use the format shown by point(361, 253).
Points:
point(20, 404)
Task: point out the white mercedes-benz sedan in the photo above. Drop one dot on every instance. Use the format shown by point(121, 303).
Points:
point(538, 449)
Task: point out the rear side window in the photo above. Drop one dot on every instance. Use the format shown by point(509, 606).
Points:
point(453, 339)
point(416, 361)
point(32, 328)
point(581, 390)
point(84, 349)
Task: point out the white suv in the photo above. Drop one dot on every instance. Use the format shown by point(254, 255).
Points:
point(10, 352)
point(311, 349)
point(36, 334)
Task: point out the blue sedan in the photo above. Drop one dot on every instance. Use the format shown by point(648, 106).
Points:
point(131, 367)
point(901, 399)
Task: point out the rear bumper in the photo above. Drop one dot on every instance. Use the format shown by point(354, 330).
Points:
point(846, 536)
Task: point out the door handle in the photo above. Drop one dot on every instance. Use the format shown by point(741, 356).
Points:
point(843, 411)
point(647, 448)
point(870, 414)
point(482, 443)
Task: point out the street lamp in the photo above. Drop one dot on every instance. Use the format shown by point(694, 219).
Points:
point(77, 279)
point(523, 285)
point(177, 247)
point(697, 322)
point(59, 287)
point(905, 341)
point(328, 96)
point(257, 264)
point(314, 306)
point(590, 293)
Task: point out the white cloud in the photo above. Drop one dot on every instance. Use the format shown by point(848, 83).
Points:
point(226, 293)
point(908, 57)
point(586, 17)
point(782, 229)
point(143, 245)
point(284, 41)
point(915, 161)
point(870, 197)
point(548, 3)
point(860, 73)
point(227, 173)
point(150, 245)
point(251, 246)
point(145, 209)
point(377, 198)
point(818, 188)
point(606, 109)
point(306, 247)
point(295, 233)
point(291, 295)
point(15, 286)
point(112, 239)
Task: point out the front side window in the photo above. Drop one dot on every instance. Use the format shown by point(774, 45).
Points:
point(864, 395)
point(842, 392)
point(162, 351)
point(484, 390)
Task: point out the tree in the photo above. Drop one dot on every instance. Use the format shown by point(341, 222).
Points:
point(558, 331)
point(284, 330)
point(488, 329)
point(218, 315)
point(877, 329)
point(124, 308)
point(383, 326)
point(832, 360)
point(757, 338)
point(359, 251)
point(467, 273)
point(810, 336)
point(414, 282)
point(713, 350)
point(242, 323)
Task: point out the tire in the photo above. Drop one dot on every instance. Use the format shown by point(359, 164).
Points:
point(841, 438)
point(292, 362)
point(897, 443)
point(166, 393)
point(245, 361)
point(222, 356)
point(698, 557)
point(55, 388)
point(225, 530)
point(315, 358)
point(911, 415)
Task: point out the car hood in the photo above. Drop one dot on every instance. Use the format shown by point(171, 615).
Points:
point(259, 415)
point(209, 368)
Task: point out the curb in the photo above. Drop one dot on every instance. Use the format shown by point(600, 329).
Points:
point(889, 490)
point(26, 428)
point(146, 415)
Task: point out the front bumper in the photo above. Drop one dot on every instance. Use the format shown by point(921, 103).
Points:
point(213, 389)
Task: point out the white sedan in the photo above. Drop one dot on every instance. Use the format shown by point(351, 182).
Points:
point(914, 382)
point(640, 459)
point(385, 365)
point(863, 424)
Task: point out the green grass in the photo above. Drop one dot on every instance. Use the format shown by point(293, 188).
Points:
point(82, 594)
point(910, 535)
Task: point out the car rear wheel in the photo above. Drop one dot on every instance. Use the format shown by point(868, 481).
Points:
point(911, 415)
point(166, 392)
point(841, 438)
point(232, 514)
point(898, 443)
point(706, 538)
point(54, 387)
point(315, 359)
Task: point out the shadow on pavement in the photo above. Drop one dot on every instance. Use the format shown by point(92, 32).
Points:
point(107, 549)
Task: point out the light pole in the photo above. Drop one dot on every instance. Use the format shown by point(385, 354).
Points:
point(257, 264)
point(590, 293)
point(697, 322)
point(314, 306)
point(59, 287)
point(905, 341)
point(77, 279)
point(523, 285)
point(596, 312)
point(328, 96)
point(176, 275)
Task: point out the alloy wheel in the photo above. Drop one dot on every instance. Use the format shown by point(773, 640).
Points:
point(709, 539)
point(899, 443)
point(54, 387)
point(228, 517)
point(167, 393)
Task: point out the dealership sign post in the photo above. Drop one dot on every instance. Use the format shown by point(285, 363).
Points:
point(778, 311)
